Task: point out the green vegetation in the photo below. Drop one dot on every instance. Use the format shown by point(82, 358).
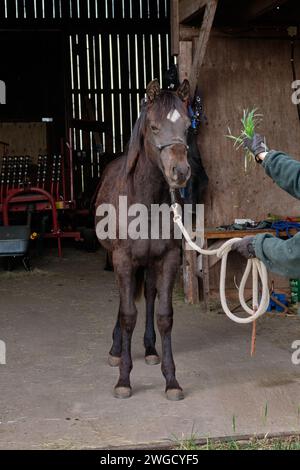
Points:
point(250, 121)
point(289, 443)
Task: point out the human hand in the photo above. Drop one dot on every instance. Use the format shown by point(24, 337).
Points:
point(257, 145)
point(245, 247)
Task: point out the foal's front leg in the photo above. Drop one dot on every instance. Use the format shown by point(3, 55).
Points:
point(114, 356)
point(127, 317)
point(151, 355)
point(166, 270)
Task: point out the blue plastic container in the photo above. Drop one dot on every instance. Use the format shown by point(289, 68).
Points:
point(282, 298)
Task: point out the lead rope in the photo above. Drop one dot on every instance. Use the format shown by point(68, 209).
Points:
point(259, 272)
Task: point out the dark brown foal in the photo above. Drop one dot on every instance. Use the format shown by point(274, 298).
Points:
point(156, 161)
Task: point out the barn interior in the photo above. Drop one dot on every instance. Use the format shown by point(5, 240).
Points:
point(72, 77)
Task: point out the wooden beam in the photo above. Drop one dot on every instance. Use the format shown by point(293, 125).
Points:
point(190, 279)
point(174, 27)
point(259, 7)
point(202, 42)
point(185, 60)
point(188, 8)
point(188, 33)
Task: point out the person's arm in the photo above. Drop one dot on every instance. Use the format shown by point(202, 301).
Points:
point(280, 256)
point(284, 170)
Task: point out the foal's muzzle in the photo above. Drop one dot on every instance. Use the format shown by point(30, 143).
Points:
point(175, 164)
point(180, 174)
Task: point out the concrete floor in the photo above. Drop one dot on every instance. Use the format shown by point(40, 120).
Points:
point(56, 388)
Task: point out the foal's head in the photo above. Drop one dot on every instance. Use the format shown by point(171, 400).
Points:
point(162, 132)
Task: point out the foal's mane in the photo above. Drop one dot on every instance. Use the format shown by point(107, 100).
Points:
point(165, 102)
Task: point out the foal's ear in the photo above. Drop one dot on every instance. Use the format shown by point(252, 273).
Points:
point(184, 90)
point(153, 90)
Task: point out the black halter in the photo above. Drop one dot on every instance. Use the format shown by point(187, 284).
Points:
point(163, 146)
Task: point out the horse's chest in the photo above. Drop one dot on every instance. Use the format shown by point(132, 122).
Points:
point(145, 250)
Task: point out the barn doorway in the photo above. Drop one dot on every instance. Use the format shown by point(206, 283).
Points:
point(75, 74)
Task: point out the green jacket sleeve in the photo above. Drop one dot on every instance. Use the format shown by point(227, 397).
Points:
point(284, 171)
point(281, 256)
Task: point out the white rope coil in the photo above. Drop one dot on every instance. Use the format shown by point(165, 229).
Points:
point(259, 272)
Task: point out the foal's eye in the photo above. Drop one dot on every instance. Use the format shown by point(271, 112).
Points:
point(154, 129)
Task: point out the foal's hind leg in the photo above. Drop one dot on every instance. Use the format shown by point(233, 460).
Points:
point(151, 356)
point(114, 357)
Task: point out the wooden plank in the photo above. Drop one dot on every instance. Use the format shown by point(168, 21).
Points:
point(153, 9)
point(156, 64)
point(188, 33)
point(118, 9)
point(73, 8)
point(190, 278)
point(134, 87)
point(202, 42)
point(215, 234)
point(65, 9)
point(101, 9)
point(116, 96)
point(234, 193)
point(174, 27)
point(11, 10)
point(107, 94)
point(212, 260)
point(185, 59)
point(161, 13)
point(2, 10)
point(48, 9)
point(124, 84)
point(135, 9)
point(188, 8)
point(164, 56)
point(83, 9)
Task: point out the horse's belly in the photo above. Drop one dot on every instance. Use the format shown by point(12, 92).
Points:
point(143, 251)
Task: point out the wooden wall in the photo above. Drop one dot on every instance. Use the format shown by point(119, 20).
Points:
point(237, 74)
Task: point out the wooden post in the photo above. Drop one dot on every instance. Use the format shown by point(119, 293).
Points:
point(190, 278)
point(188, 67)
point(174, 27)
point(205, 279)
point(189, 262)
point(202, 42)
point(185, 59)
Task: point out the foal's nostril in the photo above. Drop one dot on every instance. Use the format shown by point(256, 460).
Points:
point(181, 172)
point(175, 172)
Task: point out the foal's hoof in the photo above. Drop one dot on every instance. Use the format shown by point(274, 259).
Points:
point(122, 392)
point(152, 360)
point(114, 361)
point(174, 394)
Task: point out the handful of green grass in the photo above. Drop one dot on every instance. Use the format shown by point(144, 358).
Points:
point(250, 122)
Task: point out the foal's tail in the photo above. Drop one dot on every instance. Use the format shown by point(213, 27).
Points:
point(139, 283)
